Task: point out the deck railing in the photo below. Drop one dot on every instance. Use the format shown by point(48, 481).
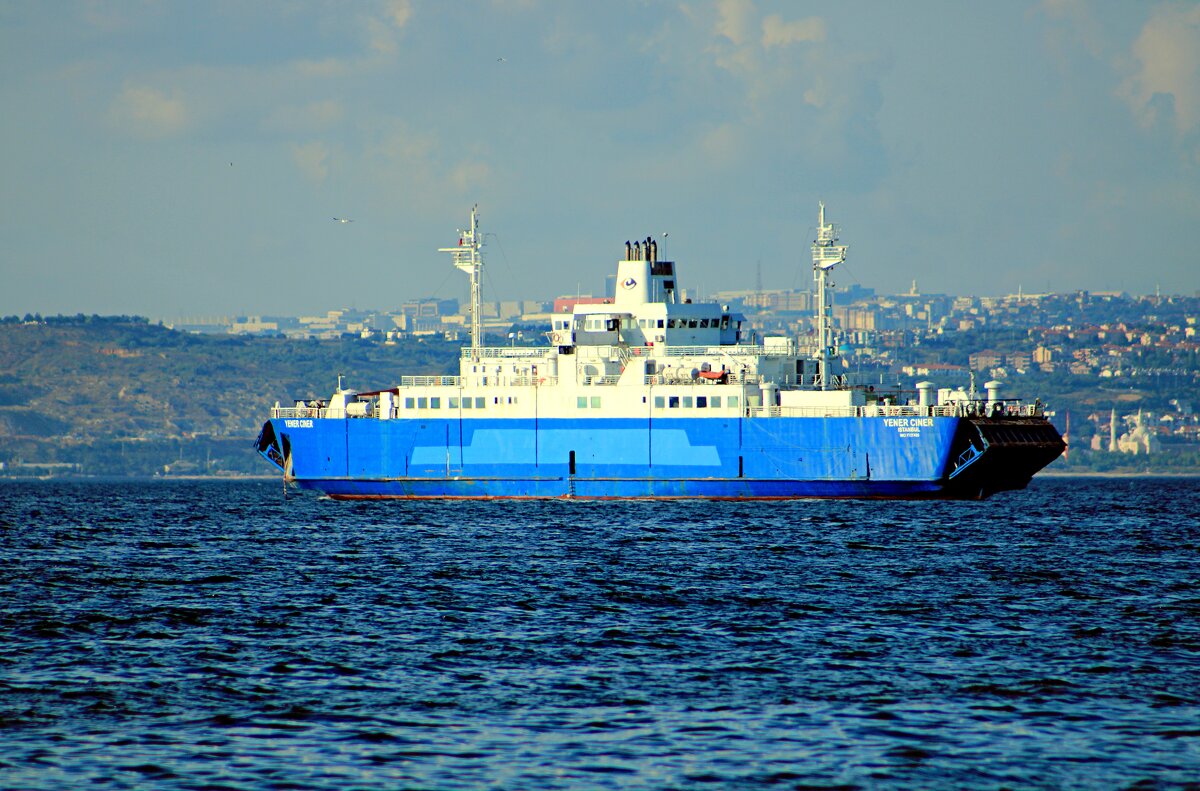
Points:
point(967, 409)
point(297, 412)
point(741, 350)
point(430, 381)
point(512, 352)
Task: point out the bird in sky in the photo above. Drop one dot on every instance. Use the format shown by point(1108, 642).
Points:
point(342, 220)
point(501, 60)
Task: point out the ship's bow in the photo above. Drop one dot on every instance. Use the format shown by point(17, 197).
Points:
point(1002, 453)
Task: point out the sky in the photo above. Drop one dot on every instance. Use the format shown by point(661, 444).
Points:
point(184, 159)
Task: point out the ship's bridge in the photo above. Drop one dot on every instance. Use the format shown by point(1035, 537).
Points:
point(646, 311)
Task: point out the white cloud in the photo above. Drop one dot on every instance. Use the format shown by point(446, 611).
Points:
point(722, 145)
point(311, 158)
point(734, 19)
point(778, 33)
point(1082, 23)
point(404, 160)
point(514, 5)
point(816, 96)
point(147, 112)
point(326, 67)
point(381, 38)
point(306, 118)
point(398, 12)
point(469, 176)
point(381, 31)
point(1168, 65)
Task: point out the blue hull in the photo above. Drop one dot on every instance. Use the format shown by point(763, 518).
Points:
point(719, 458)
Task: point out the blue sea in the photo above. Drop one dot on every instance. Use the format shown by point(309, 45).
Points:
point(217, 635)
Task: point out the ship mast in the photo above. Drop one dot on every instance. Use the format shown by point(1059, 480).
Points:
point(827, 254)
point(467, 257)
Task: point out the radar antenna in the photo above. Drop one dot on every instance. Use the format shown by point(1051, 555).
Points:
point(827, 254)
point(467, 257)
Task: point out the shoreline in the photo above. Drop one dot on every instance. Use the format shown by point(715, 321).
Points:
point(1097, 474)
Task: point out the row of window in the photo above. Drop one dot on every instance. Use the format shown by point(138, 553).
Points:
point(722, 322)
point(700, 402)
point(602, 323)
point(581, 402)
point(452, 402)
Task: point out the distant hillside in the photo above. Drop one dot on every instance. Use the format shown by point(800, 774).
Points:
point(120, 395)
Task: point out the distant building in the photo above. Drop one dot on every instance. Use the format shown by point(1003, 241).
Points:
point(986, 360)
point(941, 370)
point(203, 325)
point(253, 325)
point(567, 304)
point(1021, 361)
point(1139, 440)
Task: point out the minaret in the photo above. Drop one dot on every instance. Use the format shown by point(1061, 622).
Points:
point(1067, 438)
point(1112, 432)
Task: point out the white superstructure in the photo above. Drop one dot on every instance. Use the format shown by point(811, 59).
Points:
point(648, 352)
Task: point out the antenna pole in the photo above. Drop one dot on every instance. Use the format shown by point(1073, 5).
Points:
point(467, 257)
point(827, 254)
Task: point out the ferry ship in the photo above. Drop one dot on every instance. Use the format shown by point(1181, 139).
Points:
point(655, 396)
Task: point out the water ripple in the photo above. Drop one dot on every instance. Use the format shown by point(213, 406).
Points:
point(214, 635)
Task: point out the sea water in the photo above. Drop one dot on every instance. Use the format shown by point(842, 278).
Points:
point(215, 635)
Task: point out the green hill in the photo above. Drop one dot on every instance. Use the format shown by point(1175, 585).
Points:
point(122, 396)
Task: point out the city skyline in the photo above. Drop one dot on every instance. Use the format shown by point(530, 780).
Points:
point(282, 159)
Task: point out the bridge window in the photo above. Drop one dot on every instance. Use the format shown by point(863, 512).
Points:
point(733, 400)
point(595, 402)
point(409, 402)
point(435, 403)
point(581, 402)
point(687, 402)
point(701, 402)
point(659, 402)
point(479, 402)
point(673, 402)
point(422, 403)
point(453, 403)
point(715, 401)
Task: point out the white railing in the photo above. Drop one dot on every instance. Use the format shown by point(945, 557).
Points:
point(601, 380)
point(512, 352)
point(528, 381)
point(969, 409)
point(296, 412)
point(740, 350)
point(973, 409)
point(683, 379)
point(430, 381)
